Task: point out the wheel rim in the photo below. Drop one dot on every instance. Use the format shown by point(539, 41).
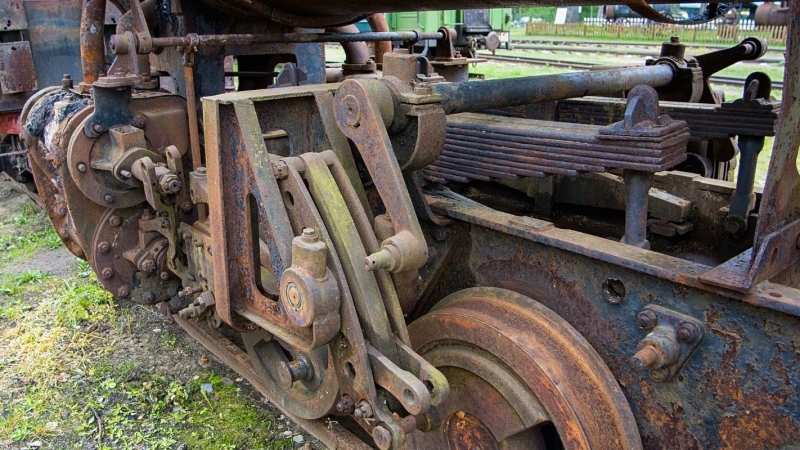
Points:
point(516, 370)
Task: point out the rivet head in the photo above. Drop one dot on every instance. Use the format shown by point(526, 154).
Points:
point(108, 198)
point(115, 221)
point(81, 167)
point(687, 332)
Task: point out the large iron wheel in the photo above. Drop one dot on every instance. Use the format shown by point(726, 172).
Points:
point(520, 377)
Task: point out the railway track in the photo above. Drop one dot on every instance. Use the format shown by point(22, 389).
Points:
point(576, 65)
point(652, 51)
point(577, 43)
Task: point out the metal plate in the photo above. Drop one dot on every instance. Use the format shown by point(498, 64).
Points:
point(12, 16)
point(16, 68)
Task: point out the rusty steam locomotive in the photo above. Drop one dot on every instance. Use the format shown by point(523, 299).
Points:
point(433, 262)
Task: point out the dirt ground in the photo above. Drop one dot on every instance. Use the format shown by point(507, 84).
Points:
point(79, 369)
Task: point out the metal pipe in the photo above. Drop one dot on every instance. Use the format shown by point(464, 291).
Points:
point(93, 61)
point(378, 23)
point(471, 96)
point(356, 52)
point(196, 40)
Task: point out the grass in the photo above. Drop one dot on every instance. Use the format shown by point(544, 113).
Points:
point(73, 376)
point(36, 233)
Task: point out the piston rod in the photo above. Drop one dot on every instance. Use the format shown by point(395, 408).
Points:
point(474, 96)
point(199, 40)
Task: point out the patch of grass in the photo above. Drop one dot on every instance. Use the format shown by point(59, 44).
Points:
point(32, 231)
point(62, 380)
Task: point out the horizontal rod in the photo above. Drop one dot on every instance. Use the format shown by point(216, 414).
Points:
point(196, 40)
point(473, 96)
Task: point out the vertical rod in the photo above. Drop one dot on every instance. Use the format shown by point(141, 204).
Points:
point(191, 108)
point(743, 199)
point(638, 184)
point(378, 23)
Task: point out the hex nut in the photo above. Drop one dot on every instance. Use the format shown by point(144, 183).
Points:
point(104, 247)
point(123, 292)
point(107, 273)
point(647, 319)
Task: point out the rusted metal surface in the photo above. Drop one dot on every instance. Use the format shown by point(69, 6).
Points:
point(779, 214)
point(716, 378)
point(92, 43)
point(16, 67)
point(506, 355)
point(488, 147)
point(9, 123)
point(705, 121)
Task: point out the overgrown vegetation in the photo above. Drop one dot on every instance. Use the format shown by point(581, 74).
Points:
point(79, 370)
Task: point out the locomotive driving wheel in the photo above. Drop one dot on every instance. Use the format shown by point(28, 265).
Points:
point(520, 377)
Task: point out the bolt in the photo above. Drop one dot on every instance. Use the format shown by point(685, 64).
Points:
point(186, 206)
point(280, 170)
point(165, 223)
point(123, 292)
point(687, 332)
point(115, 221)
point(148, 265)
point(81, 167)
point(383, 437)
point(107, 273)
point(124, 173)
point(309, 232)
point(108, 198)
point(294, 294)
point(289, 372)
point(647, 319)
point(164, 275)
point(169, 183)
point(97, 128)
point(345, 405)
point(139, 121)
point(104, 247)
point(674, 40)
point(364, 410)
point(647, 356)
point(148, 297)
point(66, 81)
point(201, 171)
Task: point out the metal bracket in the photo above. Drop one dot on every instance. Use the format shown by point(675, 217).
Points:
point(671, 339)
